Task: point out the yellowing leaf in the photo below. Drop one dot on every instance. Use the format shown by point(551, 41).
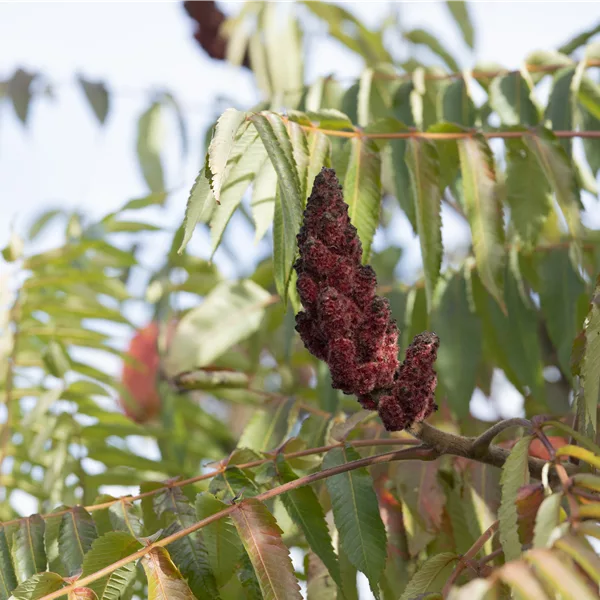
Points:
point(164, 579)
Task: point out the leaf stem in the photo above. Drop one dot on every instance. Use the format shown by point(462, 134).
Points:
point(418, 453)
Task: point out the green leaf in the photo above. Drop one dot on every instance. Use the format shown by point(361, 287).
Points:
point(589, 96)
point(38, 585)
point(561, 104)
point(424, 38)
point(97, 95)
point(457, 106)
point(356, 515)
point(28, 551)
point(402, 180)
point(76, 535)
point(270, 558)
point(591, 146)
point(149, 142)
point(579, 40)
point(268, 427)
point(231, 483)
point(303, 507)
point(555, 164)
point(220, 538)
point(424, 168)
point(289, 202)
point(221, 147)
point(42, 221)
point(319, 153)
point(527, 190)
point(164, 579)
point(460, 12)
point(264, 192)
point(459, 354)
point(586, 364)
point(431, 576)
point(362, 190)
point(560, 291)
point(8, 579)
point(125, 516)
point(19, 91)
point(189, 553)
point(249, 156)
point(106, 550)
point(515, 473)
point(484, 212)
point(229, 314)
point(199, 208)
point(510, 96)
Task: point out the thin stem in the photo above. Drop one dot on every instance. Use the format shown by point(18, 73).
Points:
point(481, 444)
point(218, 471)
point(406, 454)
point(430, 135)
point(468, 556)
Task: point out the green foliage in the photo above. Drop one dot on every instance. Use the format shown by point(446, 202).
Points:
point(226, 378)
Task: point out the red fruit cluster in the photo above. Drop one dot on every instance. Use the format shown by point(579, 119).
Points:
point(412, 399)
point(346, 324)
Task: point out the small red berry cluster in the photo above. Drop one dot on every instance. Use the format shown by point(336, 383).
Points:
point(347, 325)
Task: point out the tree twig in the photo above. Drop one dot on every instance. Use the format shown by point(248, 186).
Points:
point(418, 453)
point(481, 444)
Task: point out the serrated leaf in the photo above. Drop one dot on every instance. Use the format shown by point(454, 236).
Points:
point(200, 206)
point(28, 551)
point(264, 192)
point(424, 38)
point(457, 106)
point(586, 364)
point(149, 143)
point(189, 553)
point(515, 473)
point(319, 156)
point(76, 536)
point(97, 95)
point(460, 336)
point(484, 212)
point(229, 314)
point(248, 156)
point(560, 290)
point(125, 516)
point(561, 105)
point(270, 558)
point(510, 97)
point(105, 551)
point(527, 190)
point(555, 164)
point(362, 190)
point(303, 507)
point(164, 579)
point(83, 593)
point(356, 515)
point(8, 579)
point(268, 427)
point(231, 483)
point(423, 165)
point(289, 203)
point(221, 147)
point(220, 538)
point(38, 585)
point(460, 12)
point(431, 576)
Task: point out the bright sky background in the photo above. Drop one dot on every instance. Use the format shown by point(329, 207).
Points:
point(64, 158)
